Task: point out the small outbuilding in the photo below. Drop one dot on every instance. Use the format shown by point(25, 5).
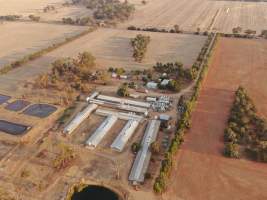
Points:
point(165, 82)
point(164, 117)
point(152, 85)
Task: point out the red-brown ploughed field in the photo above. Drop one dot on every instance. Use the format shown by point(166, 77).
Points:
point(201, 172)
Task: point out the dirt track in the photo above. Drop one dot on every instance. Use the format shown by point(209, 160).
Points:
point(202, 172)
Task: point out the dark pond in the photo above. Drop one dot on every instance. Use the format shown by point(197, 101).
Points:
point(12, 128)
point(40, 110)
point(4, 98)
point(93, 192)
point(17, 105)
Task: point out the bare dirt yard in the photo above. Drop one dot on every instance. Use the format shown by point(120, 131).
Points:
point(112, 48)
point(201, 171)
point(20, 39)
point(205, 14)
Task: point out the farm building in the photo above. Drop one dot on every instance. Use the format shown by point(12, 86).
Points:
point(152, 85)
point(101, 131)
point(164, 117)
point(120, 106)
point(151, 99)
point(92, 96)
point(165, 82)
point(141, 162)
point(120, 115)
point(79, 118)
point(123, 101)
point(125, 134)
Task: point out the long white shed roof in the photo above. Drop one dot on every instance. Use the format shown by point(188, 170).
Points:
point(125, 134)
point(120, 106)
point(101, 131)
point(141, 162)
point(120, 115)
point(123, 101)
point(79, 118)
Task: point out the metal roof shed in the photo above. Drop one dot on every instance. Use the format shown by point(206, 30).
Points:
point(164, 117)
point(123, 101)
point(101, 131)
point(141, 162)
point(79, 118)
point(125, 134)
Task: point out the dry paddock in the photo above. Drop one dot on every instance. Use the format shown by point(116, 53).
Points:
point(201, 171)
point(19, 39)
point(190, 15)
point(112, 48)
point(12, 7)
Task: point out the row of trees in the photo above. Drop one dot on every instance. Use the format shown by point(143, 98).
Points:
point(139, 44)
point(175, 29)
point(82, 21)
point(185, 107)
point(10, 17)
point(245, 128)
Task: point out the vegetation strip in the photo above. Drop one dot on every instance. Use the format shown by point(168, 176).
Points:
point(245, 130)
point(7, 68)
point(183, 124)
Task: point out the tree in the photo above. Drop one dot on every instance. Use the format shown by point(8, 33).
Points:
point(177, 28)
point(86, 60)
point(231, 150)
point(144, 2)
point(237, 30)
point(174, 86)
point(139, 44)
point(34, 18)
point(159, 185)
point(64, 158)
point(123, 91)
point(136, 147)
point(264, 34)
point(250, 32)
point(155, 148)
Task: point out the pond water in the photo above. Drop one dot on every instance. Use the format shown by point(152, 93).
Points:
point(93, 192)
point(12, 128)
point(40, 110)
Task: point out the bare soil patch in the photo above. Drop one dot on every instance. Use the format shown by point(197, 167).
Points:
point(201, 170)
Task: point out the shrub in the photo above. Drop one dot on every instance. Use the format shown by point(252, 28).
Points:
point(136, 147)
point(231, 150)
